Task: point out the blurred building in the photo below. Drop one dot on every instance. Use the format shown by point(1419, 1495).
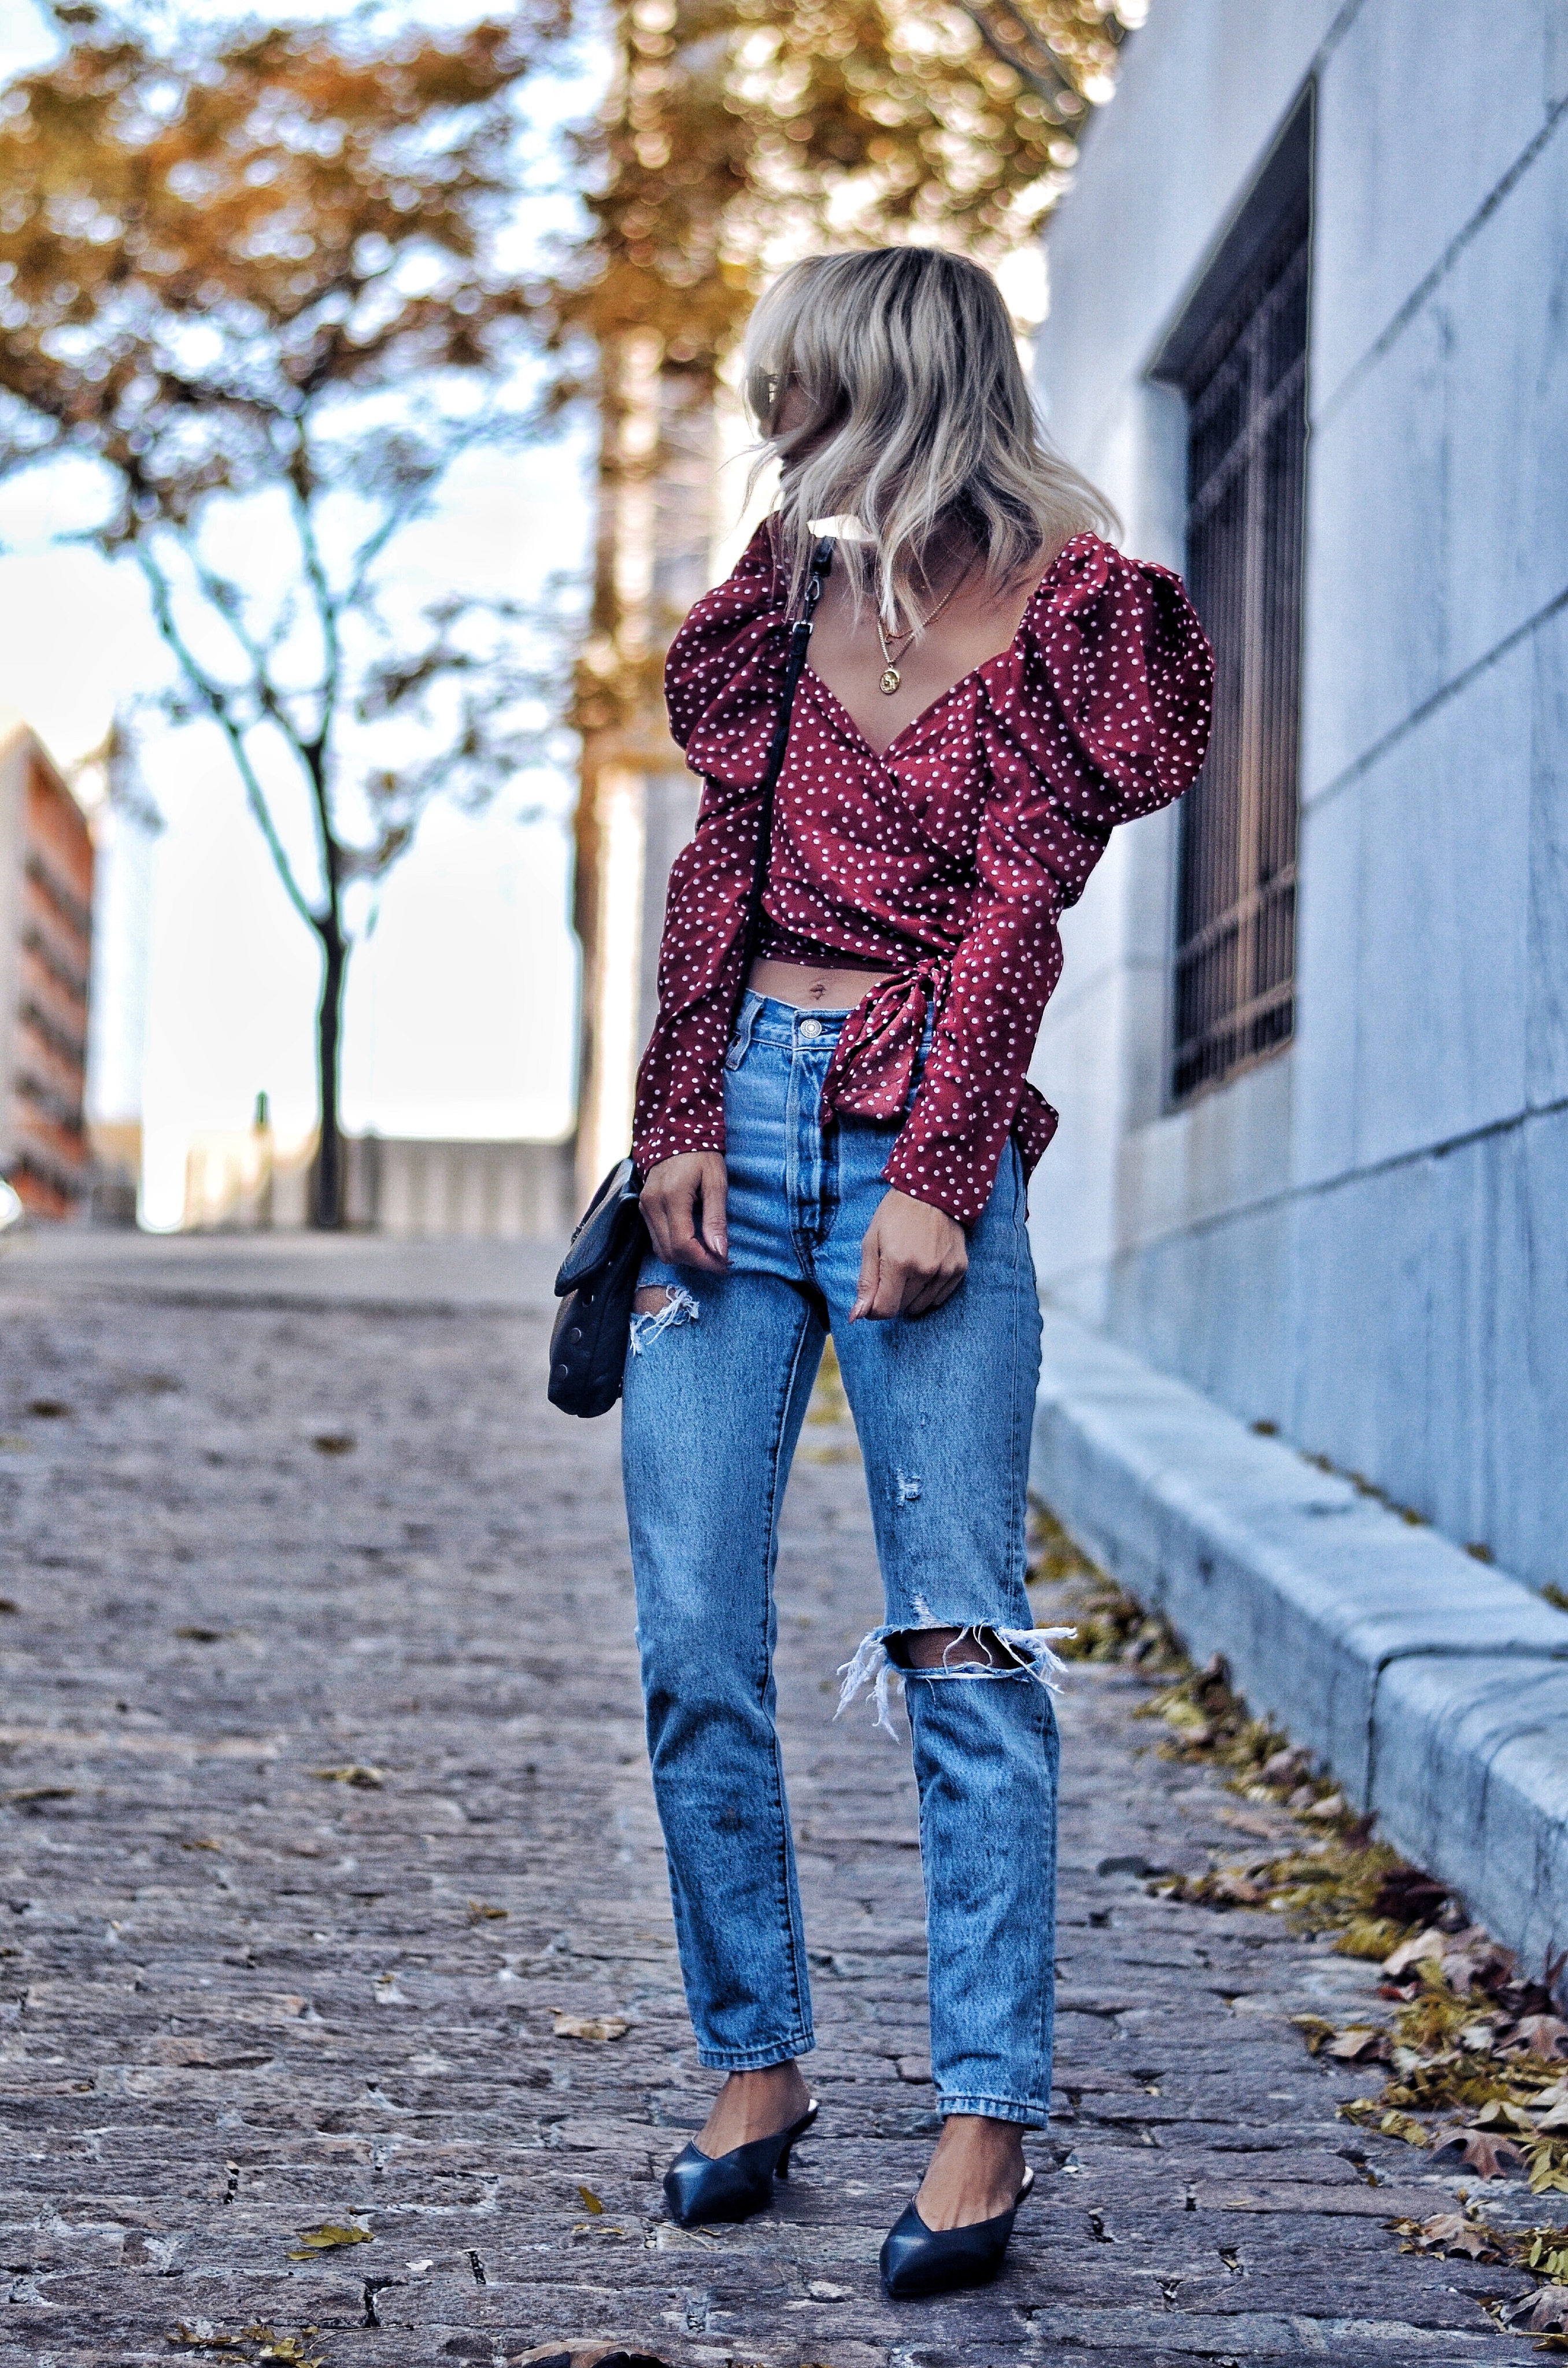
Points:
point(125, 826)
point(508, 1190)
point(638, 802)
point(46, 943)
point(1311, 1050)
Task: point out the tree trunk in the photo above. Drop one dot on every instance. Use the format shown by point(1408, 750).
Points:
point(329, 1038)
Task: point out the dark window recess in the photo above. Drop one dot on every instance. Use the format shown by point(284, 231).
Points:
point(1240, 357)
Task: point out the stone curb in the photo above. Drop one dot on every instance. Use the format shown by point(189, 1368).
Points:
point(1434, 1686)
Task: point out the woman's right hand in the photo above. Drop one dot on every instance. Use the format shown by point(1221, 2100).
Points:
point(673, 1194)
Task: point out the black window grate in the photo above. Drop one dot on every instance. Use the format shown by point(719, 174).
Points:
point(1246, 389)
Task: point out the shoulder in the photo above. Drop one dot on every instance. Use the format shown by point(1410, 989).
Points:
point(1097, 616)
point(727, 633)
point(1099, 592)
point(1112, 647)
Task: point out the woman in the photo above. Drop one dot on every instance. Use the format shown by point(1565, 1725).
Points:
point(841, 1141)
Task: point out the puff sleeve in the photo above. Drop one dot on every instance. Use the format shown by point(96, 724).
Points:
point(723, 679)
point(1101, 715)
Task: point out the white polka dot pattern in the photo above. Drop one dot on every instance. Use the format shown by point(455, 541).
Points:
point(951, 857)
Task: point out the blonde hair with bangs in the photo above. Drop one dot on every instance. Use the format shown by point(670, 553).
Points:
point(917, 419)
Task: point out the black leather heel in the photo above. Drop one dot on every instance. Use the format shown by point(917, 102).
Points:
point(921, 2260)
point(701, 2187)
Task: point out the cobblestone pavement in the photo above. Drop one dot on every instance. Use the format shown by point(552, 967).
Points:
point(323, 1802)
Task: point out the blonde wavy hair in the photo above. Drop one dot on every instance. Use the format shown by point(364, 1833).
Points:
point(917, 420)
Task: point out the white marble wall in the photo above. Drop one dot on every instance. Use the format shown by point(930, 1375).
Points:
point(1365, 1239)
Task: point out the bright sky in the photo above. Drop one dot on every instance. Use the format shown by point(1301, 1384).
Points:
point(460, 1008)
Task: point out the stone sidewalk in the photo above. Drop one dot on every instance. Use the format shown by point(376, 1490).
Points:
point(323, 1816)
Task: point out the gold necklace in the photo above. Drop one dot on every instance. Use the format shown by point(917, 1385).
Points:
point(891, 676)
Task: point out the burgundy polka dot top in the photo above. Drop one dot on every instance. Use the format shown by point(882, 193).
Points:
point(949, 859)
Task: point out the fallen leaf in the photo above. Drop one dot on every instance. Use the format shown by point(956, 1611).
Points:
point(1362, 2043)
point(590, 2201)
point(1314, 2029)
point(48, 1409)
point(202, 1635)
point(189, 2339)
point(335, 1442)
point(1543, 2034)
point(1411, 1951)
point(1456, 2232)
point(592, 2026)
point(1483, 2150)
point(1549, 2173)
point(328, 2238)
point(207, 1843)
point(369, 1779)
point(1551, 2313)
point(1499, 2114)
point(1234, 1889)
point(288, 2348)
point(1546, 2253)
point(1405, 2126)
point(481, 1912)
point(39, 1793)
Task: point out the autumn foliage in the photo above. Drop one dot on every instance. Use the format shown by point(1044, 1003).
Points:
point(253, 278)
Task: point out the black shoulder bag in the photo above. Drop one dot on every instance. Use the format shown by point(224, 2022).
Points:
point(597, 1280)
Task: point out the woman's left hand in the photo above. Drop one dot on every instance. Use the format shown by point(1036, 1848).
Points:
point(913, 1258)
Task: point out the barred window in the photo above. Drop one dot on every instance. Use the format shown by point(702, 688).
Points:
point(1240, 357)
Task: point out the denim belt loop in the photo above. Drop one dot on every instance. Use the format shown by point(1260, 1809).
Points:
point(740, 1042)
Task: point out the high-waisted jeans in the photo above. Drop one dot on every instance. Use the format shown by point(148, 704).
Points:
point(716, 1389)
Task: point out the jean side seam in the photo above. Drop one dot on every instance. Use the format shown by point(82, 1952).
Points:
point(1045, 2010)
point(1020, 1476)
point(797, 1939)
point(1045, 2013)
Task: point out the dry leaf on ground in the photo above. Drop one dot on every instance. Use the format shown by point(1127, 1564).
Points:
point(369, 1779)
point(1452, 2232)
point(591, 2026)
point(267, 2344)
point(1543, 2034)
point(328, 2238)
point(1483, 2150)
point(1362, 2043)
point(481, 1912)
point(590, 2201)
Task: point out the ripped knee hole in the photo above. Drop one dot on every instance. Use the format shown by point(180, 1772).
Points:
point(953, 1648)
point(650, 1302)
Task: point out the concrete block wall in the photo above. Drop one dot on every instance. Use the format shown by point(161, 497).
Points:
point(1362, 1240)
point(1436, 1688)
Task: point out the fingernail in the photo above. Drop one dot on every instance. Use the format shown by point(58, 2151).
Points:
point(721, 1243)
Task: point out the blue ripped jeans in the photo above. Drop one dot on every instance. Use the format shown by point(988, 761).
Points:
point(716, 1389)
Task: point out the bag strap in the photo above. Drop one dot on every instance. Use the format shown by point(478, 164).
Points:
point(800, 634)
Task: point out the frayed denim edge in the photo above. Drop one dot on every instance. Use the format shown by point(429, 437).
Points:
point(679, 1307)
point(873, 1666)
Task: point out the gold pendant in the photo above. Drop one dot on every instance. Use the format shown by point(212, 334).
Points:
point(891, 680)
